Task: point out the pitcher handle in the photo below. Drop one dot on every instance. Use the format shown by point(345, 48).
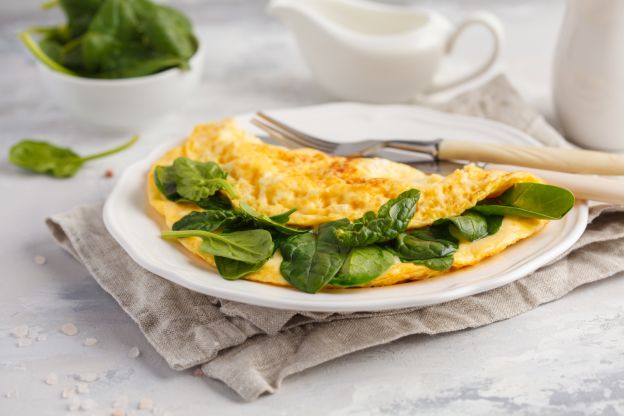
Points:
point(495, 27)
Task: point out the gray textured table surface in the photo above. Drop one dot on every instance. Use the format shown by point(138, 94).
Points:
point(563, 358)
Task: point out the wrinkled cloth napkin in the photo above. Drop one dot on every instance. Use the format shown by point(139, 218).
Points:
point(252, 349)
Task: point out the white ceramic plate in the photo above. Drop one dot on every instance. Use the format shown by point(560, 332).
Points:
point(126, 219)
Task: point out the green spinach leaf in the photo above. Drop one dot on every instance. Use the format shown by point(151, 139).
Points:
point(439, 264)
point(234, 269)
point(284, 217)
point(362, 265)
point(392, 219)
point(196, 181)
point(469, 226)
point(43, 157)
point(310, 261)
point(423, 245)
point(529, 200)
point(264, 221)
point(165, 180)
point(251, 246)
point(210, 220)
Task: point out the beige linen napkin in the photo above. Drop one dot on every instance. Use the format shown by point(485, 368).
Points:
point(252, 349)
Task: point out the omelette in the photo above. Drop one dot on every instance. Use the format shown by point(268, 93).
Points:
point(324, 188)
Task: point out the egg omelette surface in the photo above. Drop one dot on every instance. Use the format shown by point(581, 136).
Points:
point(323, 188)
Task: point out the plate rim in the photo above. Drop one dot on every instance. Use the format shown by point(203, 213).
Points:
point(346, 304)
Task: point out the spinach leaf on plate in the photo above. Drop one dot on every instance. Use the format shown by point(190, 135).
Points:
point(234, 269)
point(529, 200)
point(392, 219)
point(284, 217)
point(310, 261)
point(423, 245)
point(469, 226)
point(199, 180)
point(439, 263)
point(210, 220)
point(250, 246)
point(362, 265)
point(264, 221)
point(62, 162)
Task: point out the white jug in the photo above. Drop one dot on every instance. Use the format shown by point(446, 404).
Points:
point(365, 51)
point(588, 76)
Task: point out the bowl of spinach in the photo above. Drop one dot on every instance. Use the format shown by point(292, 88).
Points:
point(121, 64)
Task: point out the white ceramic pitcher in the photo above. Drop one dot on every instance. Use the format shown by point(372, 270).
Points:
point(365, 51)
point(588, 76)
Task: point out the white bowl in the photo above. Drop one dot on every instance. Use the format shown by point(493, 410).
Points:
point(124, 104)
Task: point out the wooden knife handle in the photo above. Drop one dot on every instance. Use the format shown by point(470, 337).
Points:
point(550, 158)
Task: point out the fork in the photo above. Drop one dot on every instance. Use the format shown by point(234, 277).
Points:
point(550, 158)
point(441, 151)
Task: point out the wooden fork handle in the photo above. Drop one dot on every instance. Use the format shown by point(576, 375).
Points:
point(550, 158)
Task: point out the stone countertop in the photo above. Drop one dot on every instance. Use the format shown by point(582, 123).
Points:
point(562, 358)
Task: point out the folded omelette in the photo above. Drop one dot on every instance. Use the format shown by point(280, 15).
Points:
point(324, 188)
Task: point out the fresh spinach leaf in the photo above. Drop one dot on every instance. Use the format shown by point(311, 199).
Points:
point(362, 265)
point(392, 219)
point(115, 39)
point(249, 246)
point(265, 221)
point(210, 220)
point(310, 261)
point(439, 264)
point(494, 223)
point(284, 217)
point(196, 181)
point(62, 162)
point(423, 245)
point(529, 200)
point(165, 180)
point(234, 269)
point(469, 226)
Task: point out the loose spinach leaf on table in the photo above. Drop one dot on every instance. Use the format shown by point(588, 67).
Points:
point(310, 261)
point(362, 265)
point(529, 200)
point(62, 162)
point(392, 219)
point(250, 246)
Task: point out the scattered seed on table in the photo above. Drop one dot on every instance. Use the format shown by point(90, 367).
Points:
point(108, 173)
point(69, 329)
point(82, 388)
point(89, 342)
point(20, 331)
point(23, 342)
point(88, 404)
point(118, 412)
point(146, 403)
point(68, 392)
point(134, 352)
point(40, 260)
point(88, 377)
point(51, 379)
point(121, 402)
